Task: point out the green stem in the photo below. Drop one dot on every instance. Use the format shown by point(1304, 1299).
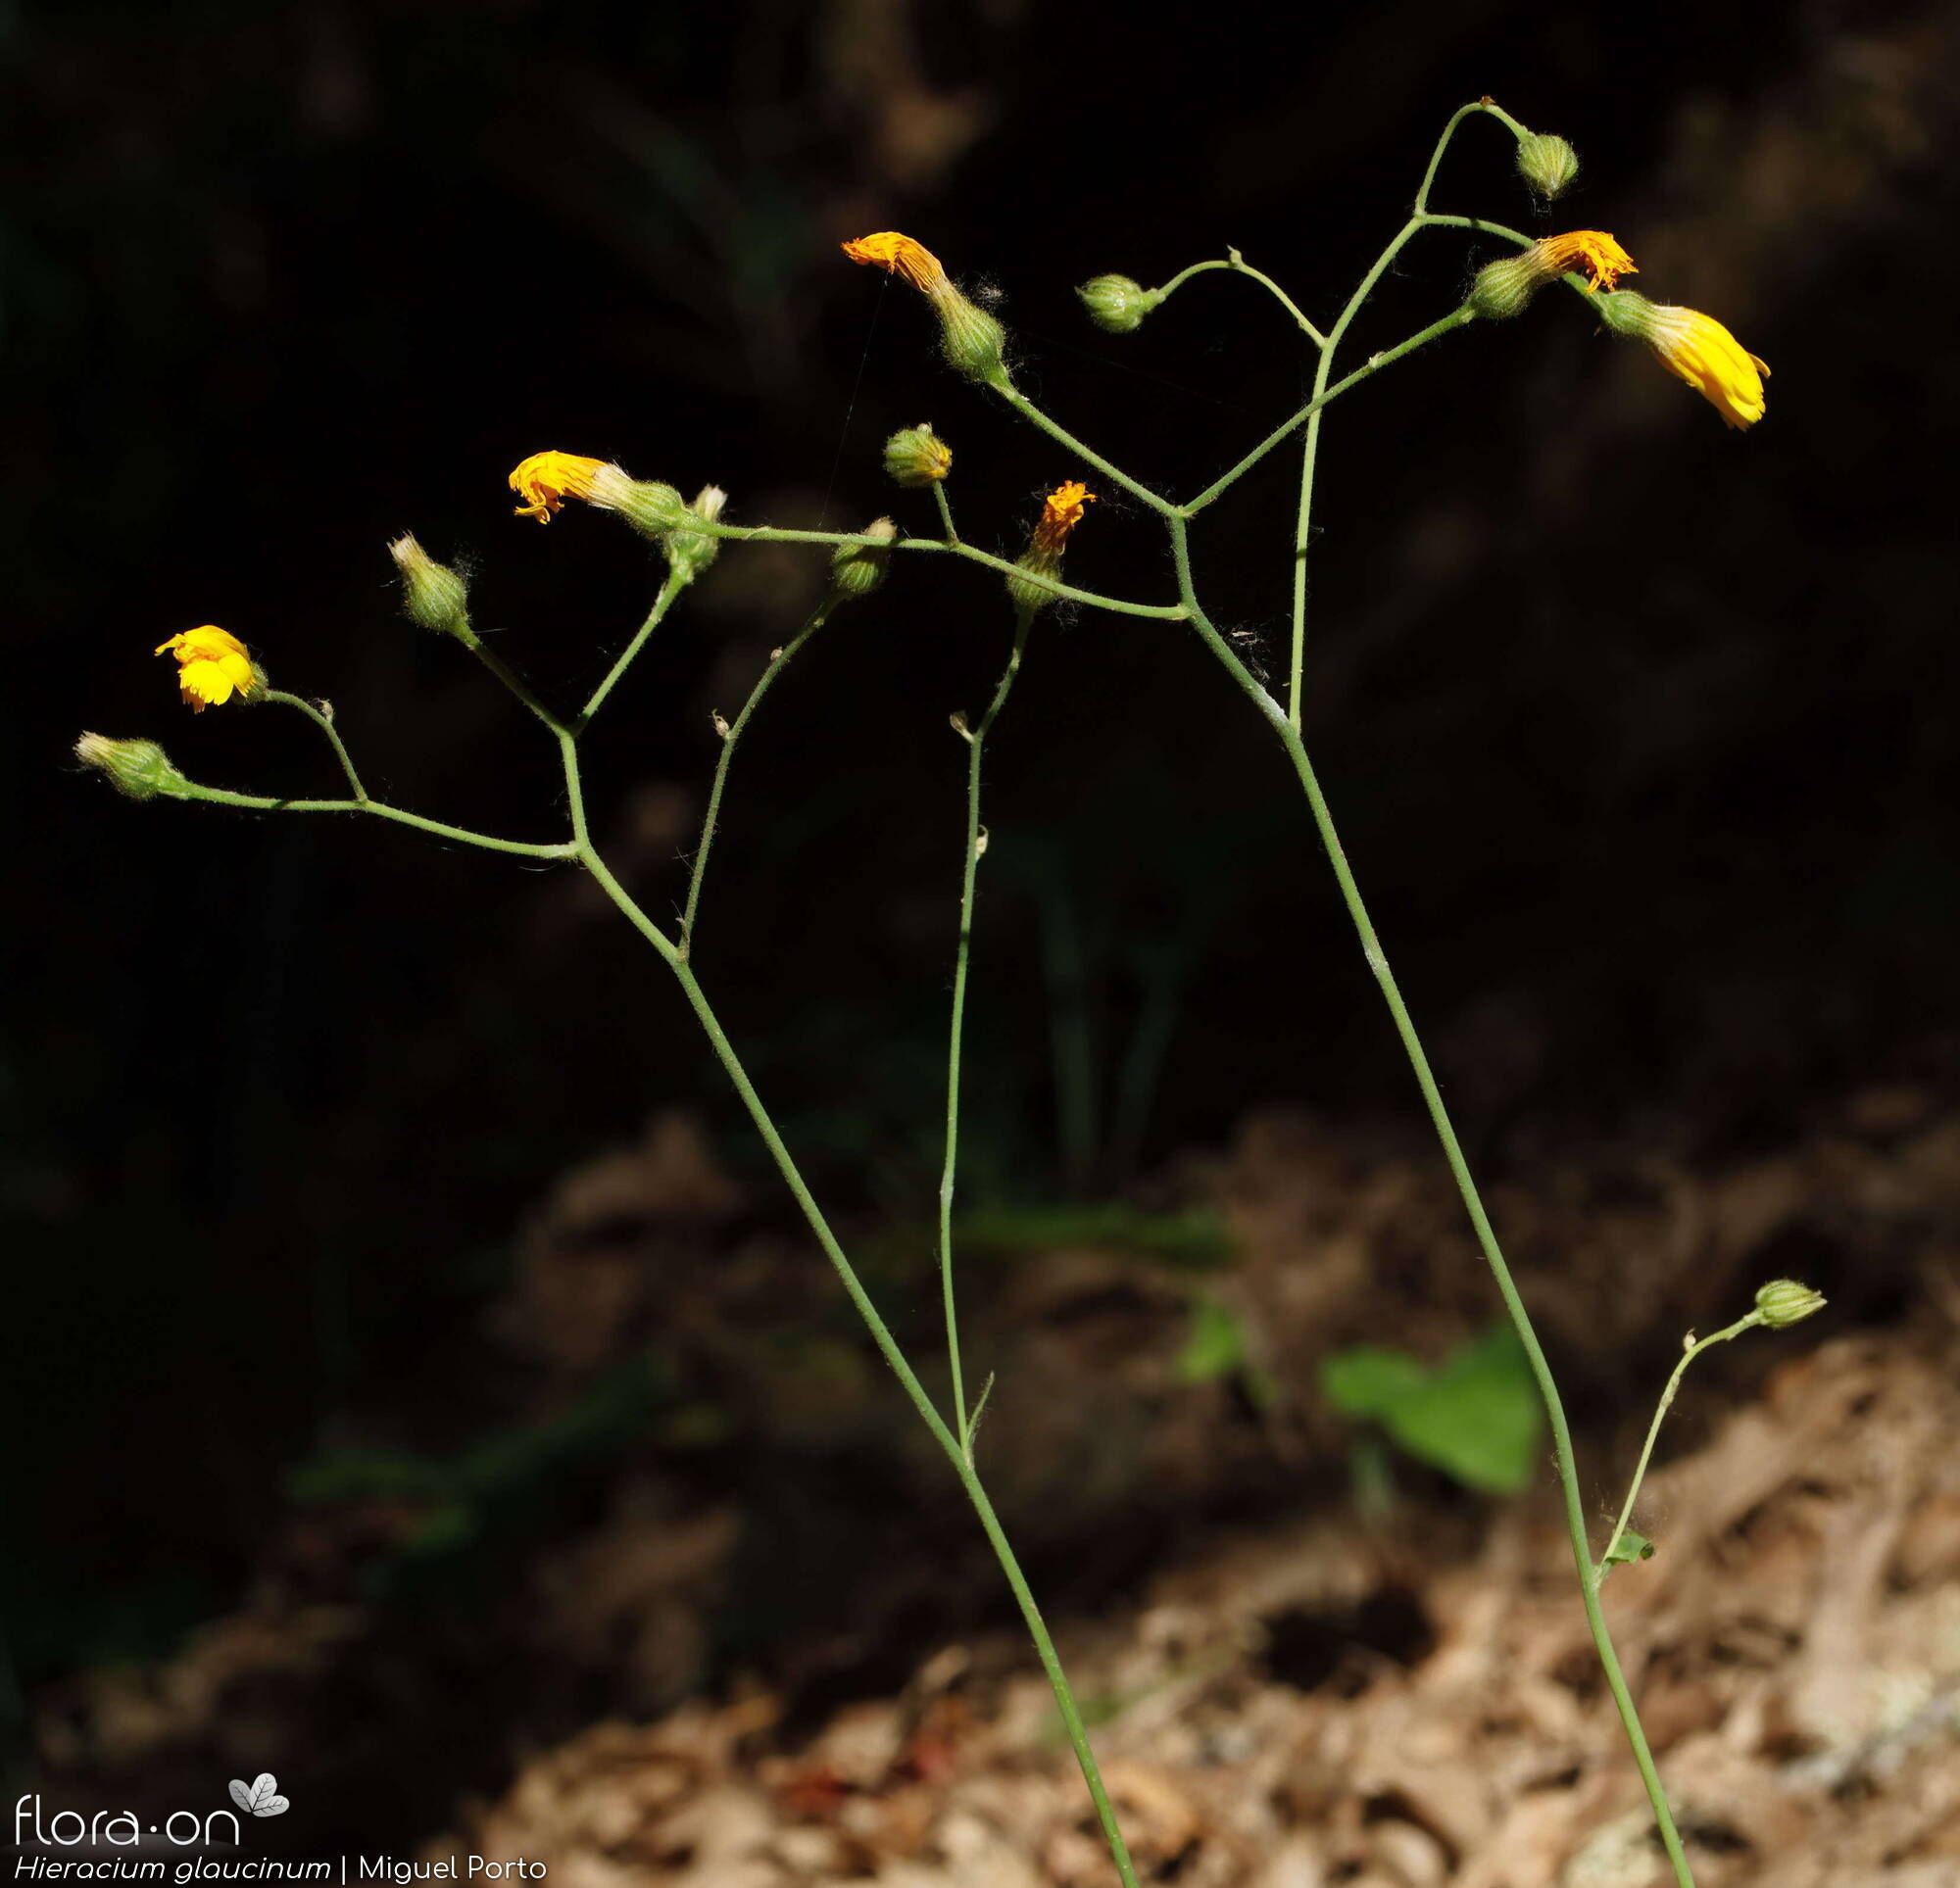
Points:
point(1309, 452)
point(1034, 416)
point(1456, 319)
point(1460, 1167)
point(976, 740)
point(1482, 105)
point(678, 579)
point(778, 662)
point(1067, 593)
point(944, 510)
point(1433, 219)
point(1239, 266)
point(257, 802)
point(1303, 532)
point(323, 719)
point(503, 671)
point(1688, 1356)
point(888, 1347)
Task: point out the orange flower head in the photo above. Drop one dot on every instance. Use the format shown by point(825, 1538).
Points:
point(899, 255)
point(1592, 250)
point(213, 666)
point(545, 480)
point(1061, 512)
point(1700, 351)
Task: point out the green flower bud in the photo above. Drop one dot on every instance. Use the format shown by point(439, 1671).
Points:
point(1782, 1301)
point(1029, 597)
point(1116, 304)
point(434, 595)
point(690, 553)
point(857, 570)
point(917, 456)
point(1547, 163)
point(1503, 287)
point(972, 340)
point(139, 768)
point(654, 510)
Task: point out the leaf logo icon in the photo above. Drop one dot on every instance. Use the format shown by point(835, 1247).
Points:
point(260, 1797)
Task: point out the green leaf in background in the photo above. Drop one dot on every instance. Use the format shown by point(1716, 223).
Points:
point(1367, 1379)
point(1216, 1346)
point(1476, 1417)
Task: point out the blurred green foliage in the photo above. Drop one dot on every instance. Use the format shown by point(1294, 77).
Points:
point(1475, 1415)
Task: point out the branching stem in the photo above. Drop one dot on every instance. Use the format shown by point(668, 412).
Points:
point(976, 844)
point(1460, 1167)
point(780, 660)
point(321, 717)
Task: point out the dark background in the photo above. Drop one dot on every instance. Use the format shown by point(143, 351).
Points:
point(1640, 731)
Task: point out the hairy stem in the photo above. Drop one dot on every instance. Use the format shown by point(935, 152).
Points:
point(1067, 592)
point(1460, 1167)
point(976, 740)
point(503, 671)
point(1239, 266)
point(1689, 1354)
point(888, 1347)
point(259, 803)
point(1456, 319)
point(944, 510)
point(778, 662)
point(678, 580)
point(321, 717)
point(1034, 416)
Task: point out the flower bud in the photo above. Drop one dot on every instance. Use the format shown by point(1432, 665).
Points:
point(1782, 1301)
point(139, 768)
point(1503, 287)
point(1547, 163)
point(972, 341)
point(1061, 513)
point(917, 456)
point(654, 510)
point(690, 553)
point(857, 570)
point(434, 595)
point(1116, 304)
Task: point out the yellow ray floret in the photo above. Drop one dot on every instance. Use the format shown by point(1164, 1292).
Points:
point(212, 666)
point(1592, 250)
point(1702, 352)
point(1061, 512)
point(899, 255)
point(545, 480)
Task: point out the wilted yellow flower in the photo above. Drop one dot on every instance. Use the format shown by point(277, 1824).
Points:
point(899, 255)
point(545, 480)
point(1593, 249)
point(974, 342)
point(212, 666)
point(1703, 352)
point(1061, 512)
point(1504, 288)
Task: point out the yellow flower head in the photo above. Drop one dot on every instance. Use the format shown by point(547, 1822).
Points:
point(1061, 512)
point(545, 480)
point(1702, 352)
point(899, 255)
point(212, 666)
point(1592, 250)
